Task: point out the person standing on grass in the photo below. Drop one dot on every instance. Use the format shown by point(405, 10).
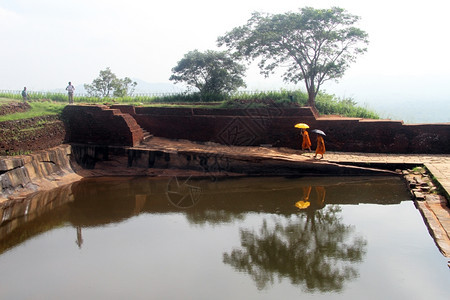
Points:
point(24, 94)
point(70, 89)
point(306, 142)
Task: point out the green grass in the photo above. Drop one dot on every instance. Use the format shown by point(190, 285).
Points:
point(38, 109)
point(32, 129)
point(331, 105)
point(326, 104)
point(418, 169)
point(4, 100)
point(215, 105)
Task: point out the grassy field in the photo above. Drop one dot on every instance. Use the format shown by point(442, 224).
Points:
point(53, 103)
point(4, 100)
point(38, 108)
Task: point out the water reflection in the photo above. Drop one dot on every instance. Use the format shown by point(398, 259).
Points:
point(40, 212)
point(319, 200)
point(99, 202)
point(313, 249)
point(311, 205)
point(242, 238)
point(182, 195)
point(79, 240)
point(302, 238)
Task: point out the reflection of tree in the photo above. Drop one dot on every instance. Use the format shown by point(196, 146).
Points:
point(212, 217)
point(320, 256)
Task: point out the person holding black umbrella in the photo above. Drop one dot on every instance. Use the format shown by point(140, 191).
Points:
point(320, 149)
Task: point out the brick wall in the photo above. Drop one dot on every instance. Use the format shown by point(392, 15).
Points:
point(276, 127)
point(100, 125)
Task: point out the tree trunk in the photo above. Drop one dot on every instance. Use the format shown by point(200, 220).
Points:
point(311, 92)
point(311, 99)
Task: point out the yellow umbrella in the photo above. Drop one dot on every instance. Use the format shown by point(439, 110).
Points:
point(303, 204)
point(301, 125)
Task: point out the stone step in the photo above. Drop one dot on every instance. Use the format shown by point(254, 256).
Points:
point(147, 135)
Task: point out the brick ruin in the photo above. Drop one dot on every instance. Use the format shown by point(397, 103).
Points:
point(126, 125)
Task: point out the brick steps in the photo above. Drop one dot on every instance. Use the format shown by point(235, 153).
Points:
point(147, 136)
point(102, 126)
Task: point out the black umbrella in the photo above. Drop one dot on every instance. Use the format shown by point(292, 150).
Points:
point(318, 131)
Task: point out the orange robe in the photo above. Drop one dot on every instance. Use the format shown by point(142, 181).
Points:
point(306, 143)
point(320, 145)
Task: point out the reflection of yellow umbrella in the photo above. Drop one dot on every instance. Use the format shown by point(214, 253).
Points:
point(301, 125)
point(302, 204)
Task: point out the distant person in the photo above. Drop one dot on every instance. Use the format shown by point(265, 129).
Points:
point(70, 89)
point(306, 142)
point(320, 149)
point(24, 94)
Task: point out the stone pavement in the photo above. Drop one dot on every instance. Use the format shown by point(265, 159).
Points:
point(437, 164)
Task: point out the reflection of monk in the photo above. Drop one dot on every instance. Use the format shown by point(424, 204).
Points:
point(306, 143)
point(306, 193)
point(304, 203)
point(317, 203)
point(320, 146)
point(320, 190)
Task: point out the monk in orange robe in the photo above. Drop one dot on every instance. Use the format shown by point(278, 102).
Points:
point(306, 143)
point(320, 149)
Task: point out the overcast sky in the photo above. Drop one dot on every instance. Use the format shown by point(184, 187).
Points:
point(46, 43)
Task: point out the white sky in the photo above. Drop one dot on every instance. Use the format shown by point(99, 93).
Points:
point(46, 43)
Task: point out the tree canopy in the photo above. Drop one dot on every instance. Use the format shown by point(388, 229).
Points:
point(315, 45)
point(107, 84)
point(211, 72)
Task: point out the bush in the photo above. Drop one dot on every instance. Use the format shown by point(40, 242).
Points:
point(331, 105)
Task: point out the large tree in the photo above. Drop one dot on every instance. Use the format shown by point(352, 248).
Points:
point(211, 72)
point(315, 45)
point(107, 84)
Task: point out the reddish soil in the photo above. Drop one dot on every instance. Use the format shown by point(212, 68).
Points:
point(28, 135)
point(14, 107)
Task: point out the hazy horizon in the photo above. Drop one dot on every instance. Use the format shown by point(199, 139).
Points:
point(48, 43)
point(411, 110)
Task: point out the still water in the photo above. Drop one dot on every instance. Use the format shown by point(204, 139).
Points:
point(246, 238)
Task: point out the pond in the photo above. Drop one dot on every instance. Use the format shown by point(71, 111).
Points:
point(242, 238)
